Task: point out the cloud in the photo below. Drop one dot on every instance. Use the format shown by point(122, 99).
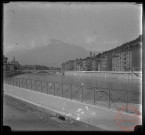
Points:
point(28, 5)
point(8, 48)
point(33, 43)
point(91, 39)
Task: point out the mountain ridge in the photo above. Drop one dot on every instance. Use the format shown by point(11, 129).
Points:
point(53, 54)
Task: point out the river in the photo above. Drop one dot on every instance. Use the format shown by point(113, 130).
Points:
point(106, 89)
point(117, 84)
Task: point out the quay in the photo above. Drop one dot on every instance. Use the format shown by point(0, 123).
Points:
point(107, 74)
point(70, 110)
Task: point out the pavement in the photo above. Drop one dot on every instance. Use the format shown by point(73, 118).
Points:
point(22, 117)
point(106, 119)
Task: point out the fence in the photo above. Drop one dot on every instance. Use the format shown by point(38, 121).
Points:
point(110, 98)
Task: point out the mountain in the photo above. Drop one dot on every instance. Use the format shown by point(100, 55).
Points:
point(53, 54)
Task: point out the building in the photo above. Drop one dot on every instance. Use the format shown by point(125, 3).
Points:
point(106, 62)
point(80, 65)
point(115, 62)
point(94, 65)
point(5, 59)
point(136, 57)
point(127, 57)
point(69, 65)
point(122, 58)
point(87, 64)
point(98, 64)
point(63, 66)
point(7, 66)
point(16, 64)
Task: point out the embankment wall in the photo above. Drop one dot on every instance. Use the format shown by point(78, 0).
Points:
point(106, 74)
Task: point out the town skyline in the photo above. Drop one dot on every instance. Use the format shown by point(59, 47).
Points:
point(114, 52)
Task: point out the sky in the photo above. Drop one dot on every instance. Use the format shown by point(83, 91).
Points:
point(93, 26)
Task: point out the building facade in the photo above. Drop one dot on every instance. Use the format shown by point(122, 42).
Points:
point(136, 58)
point(106, 62)
point(7, 66)
point(87, 64)
point(94, 65)
point(126, 57)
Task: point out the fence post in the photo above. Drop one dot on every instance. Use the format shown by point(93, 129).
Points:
point(109, 99)
point(47, 86)
point(13, 82)
point(94, 95)
point(82, 95)
point(54, 88)
point(127, 101)
point(16, 82)
point(26, 84)
point(31, 84)
point(41, 86)
point(35, 85)
point(19, 82)
point(71, 91)
point(62, 89)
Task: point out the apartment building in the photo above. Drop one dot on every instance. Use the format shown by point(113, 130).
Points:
point(106, 62)
point(94, 65)
point(136, 57)
point(122, 58)
point(128, 57)
point(87, 64)
point(115, 62)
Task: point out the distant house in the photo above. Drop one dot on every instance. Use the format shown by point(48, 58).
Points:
point(5, 59)
point(96, 64)
point(7, 66)
point(16, 64)
point(87, 64)
point(79, 65)
point(106, 62)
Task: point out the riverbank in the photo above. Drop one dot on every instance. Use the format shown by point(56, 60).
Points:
point(12, 73)
point(106, 74)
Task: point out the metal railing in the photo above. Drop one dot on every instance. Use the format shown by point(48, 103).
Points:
point(110, 98)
